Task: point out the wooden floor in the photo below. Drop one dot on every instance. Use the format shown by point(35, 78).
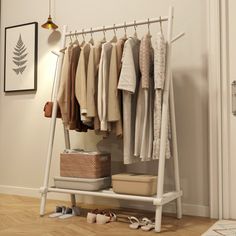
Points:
point(20, 216)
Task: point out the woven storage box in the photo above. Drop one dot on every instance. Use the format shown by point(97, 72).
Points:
point(134, 184)
point(85, 164)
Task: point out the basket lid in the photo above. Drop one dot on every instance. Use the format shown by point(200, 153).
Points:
point(134, 177)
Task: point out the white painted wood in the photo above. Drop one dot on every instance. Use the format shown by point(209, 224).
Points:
point(52, 129)
point(214, 77)
point(161, 198)
point(229, 118)
point(225, 95)
point(164, 124)
point(175, 149)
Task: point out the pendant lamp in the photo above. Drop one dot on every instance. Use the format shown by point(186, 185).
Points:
point(49, 24)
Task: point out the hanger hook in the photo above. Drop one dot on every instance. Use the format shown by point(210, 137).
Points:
point(76, 34)
point(70, 36)
point(125, 28)
point(91, 32)
point(114, 29)
point(148, 26)
point(161, 25)
point(104, 32)
point(83, 34)
point(135, 26)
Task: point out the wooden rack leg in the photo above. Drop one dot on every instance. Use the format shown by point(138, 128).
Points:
point(175, 150)
point(44, 188)
point(67, 145)
point(164, 125)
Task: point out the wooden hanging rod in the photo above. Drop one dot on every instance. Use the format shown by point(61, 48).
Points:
point(119, 26)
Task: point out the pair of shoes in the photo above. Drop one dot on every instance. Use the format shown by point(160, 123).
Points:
point(63, 212)
point(100, 217)
point(144, 223)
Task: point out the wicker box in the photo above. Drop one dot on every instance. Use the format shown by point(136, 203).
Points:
point(85, 164)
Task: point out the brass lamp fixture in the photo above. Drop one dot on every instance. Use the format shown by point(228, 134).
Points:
point(49, 24)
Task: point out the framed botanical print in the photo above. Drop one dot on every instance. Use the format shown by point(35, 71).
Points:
point(21, 56)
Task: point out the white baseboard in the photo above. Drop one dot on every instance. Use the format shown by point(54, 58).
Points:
point(188, 209)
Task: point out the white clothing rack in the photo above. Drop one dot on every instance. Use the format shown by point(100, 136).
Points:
point(161, 198)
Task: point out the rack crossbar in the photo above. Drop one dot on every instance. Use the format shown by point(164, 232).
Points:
point(119, 26)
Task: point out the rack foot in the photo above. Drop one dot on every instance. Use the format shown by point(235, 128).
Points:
point(43, 204)
point(179, 208)
point(73, 200)
point(158, 219)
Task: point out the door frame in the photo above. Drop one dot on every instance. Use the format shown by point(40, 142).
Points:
point(219, 108)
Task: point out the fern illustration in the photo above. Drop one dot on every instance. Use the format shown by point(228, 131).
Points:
point(19, 57)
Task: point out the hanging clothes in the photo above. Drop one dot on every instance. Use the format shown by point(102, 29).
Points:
point(114, 95)
point(81, 82)
point(73, 108)
point(103, 76)
point(144, 113)
point(159, 78)
point(63, 91)
point(92, 84)
point(128, 83)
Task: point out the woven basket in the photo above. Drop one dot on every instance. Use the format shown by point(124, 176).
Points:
point(85, 165)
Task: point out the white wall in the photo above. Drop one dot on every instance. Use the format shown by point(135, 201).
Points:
point(24, 131)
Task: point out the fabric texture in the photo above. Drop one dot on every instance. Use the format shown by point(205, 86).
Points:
point(81, 82)
point(159, 79)
point(114, 95)
point(103, 76)
point(128, 83)
point(144, 113)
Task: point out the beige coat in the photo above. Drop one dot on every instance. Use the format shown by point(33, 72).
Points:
point(81, 81)
point(103, 76)
point(144, 112)
point(159, 78)
point(128, 83)
point(114, 95)
point(63, 92)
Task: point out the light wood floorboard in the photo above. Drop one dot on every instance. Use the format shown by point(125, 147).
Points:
point(20, 216)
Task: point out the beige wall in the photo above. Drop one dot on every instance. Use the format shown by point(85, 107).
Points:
point(24, 131)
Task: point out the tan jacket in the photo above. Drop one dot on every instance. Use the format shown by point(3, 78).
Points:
point(114, 95)
point(81, 80)
point(63, 93)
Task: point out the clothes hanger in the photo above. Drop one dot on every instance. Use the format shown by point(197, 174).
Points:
point(135, 30)
point(83, 35)
point(161, 27)
point(104, 35)
point(125, 29)
point(71, 42)
point(91, 41)
point(76, 42)
point(114, 39)
point(148, 24)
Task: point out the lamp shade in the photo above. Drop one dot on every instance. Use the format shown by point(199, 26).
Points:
point(49, 24)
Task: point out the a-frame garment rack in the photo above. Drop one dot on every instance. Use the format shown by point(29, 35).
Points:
point(168, 101)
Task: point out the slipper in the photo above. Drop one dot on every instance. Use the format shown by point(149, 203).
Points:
point(105, 217)
point(136, 223)
point(91, 216)
point(148, 227)
point(67, 214)
point(58, 212)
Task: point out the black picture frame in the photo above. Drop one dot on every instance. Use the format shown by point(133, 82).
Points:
point(21, 57)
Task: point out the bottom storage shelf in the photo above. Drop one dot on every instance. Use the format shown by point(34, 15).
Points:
point(167, 197)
